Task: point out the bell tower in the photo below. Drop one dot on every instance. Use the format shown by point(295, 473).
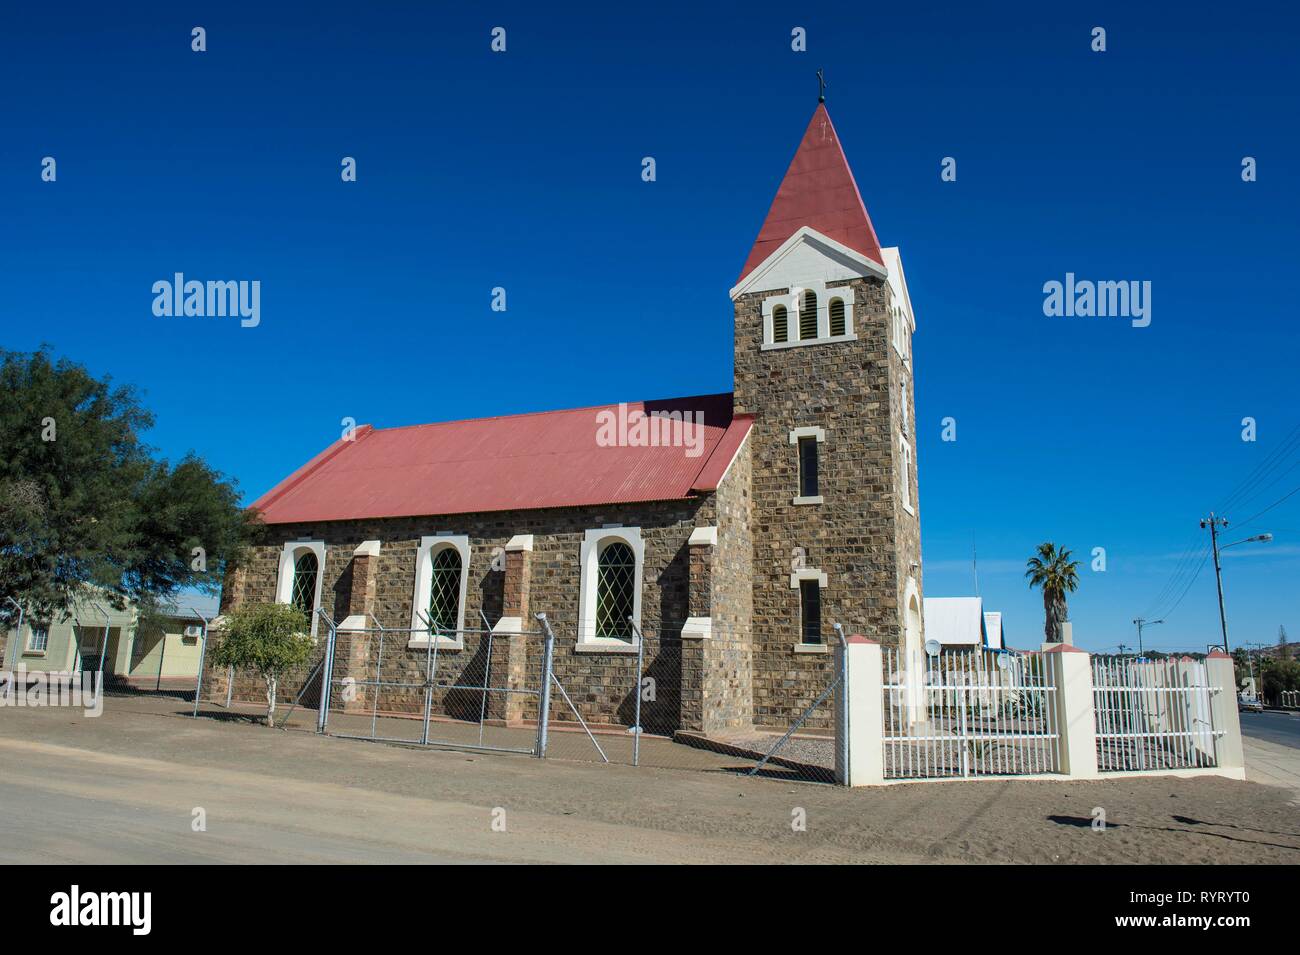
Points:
point(823, 360)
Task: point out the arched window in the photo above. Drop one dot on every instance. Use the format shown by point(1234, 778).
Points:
point(837, 316)
point(615, 591)
point(303, 593)
point(808, 315)
point(444, 590)
point(780, 323)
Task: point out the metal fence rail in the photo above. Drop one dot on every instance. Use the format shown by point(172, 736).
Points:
point(969, 713)
point(1153, 714)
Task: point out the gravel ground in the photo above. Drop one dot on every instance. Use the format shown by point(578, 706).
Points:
point(123, 787)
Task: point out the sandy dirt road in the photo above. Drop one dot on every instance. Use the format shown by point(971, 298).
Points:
point(125, 787)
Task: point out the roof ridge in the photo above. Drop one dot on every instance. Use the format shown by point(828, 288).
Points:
point(530, 414)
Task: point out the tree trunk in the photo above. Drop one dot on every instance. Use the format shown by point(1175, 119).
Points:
point(1050, 629)
point(270, 700)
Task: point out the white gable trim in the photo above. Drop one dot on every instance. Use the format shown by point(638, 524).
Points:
point(843, 263)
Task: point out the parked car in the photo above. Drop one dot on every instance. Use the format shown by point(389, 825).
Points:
point(1249, 704)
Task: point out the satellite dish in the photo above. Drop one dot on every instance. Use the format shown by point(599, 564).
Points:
point(1004, 662)
point(932, 647)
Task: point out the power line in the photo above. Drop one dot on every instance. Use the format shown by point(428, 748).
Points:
point(1194, 557)
point(1251, 485)
point(1295, 490)
point(1199, 567)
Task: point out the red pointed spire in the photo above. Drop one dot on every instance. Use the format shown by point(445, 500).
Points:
point(818, 191)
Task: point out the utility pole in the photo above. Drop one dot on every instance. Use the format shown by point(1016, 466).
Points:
point(1214, 523)
point(1143, 622)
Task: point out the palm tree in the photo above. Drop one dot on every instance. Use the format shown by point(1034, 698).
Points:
point(1055, 573)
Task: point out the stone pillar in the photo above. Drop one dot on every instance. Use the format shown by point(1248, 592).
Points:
point(352, 649)
point(233, 589)
point(1076, 724)
point(1223, 711)
point(509, 665)
point(697, 707)
point(859, 720)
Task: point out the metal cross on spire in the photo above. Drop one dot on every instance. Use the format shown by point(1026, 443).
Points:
point(821, 87)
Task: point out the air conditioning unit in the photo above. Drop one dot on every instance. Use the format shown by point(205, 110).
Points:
point(193, 630)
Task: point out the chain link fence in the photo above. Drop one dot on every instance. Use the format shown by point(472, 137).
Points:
point(658, 700)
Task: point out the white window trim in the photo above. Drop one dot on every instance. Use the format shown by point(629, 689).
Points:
point(430, 545)
point(31, 651)
point(807, 573)
point(284, 576)
point(905, 457)
point(812, 432)
point(589, 561)
point(792, 300)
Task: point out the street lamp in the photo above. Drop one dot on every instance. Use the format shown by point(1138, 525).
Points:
point(1214, 523)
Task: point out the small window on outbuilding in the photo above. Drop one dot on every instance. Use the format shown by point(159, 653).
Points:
point(39, 638)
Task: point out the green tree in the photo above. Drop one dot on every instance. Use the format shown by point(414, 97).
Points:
point(1277, 676)
point(268, 638)
point(1056, 574)
point(84, 501)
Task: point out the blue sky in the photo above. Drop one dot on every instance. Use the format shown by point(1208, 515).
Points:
point(522, 170)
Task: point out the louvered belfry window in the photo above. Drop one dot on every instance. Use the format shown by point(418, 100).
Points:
point(780, 323)
point(615, 591)
point(303, 594)
point(837, 316)
point(808, 315)
point(444, 592)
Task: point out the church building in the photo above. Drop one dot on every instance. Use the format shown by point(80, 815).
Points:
point(733, 529)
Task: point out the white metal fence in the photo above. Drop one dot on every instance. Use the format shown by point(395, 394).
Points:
point(971, 713)
point(1153, 714)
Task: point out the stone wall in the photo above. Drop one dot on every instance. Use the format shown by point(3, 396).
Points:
point(602, 685)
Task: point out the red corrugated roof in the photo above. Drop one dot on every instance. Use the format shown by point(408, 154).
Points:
point(518, 462)
point(818, 191)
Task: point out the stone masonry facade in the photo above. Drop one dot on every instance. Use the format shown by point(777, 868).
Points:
point(860, 536)
point(700, 685)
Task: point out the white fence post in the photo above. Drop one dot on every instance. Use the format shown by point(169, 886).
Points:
point(1223, 708)
point(1076, 723)
point(859, 745)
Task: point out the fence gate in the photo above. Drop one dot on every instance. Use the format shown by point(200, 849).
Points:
point(1153, 714)
point(462, 689)
point(964, 713)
